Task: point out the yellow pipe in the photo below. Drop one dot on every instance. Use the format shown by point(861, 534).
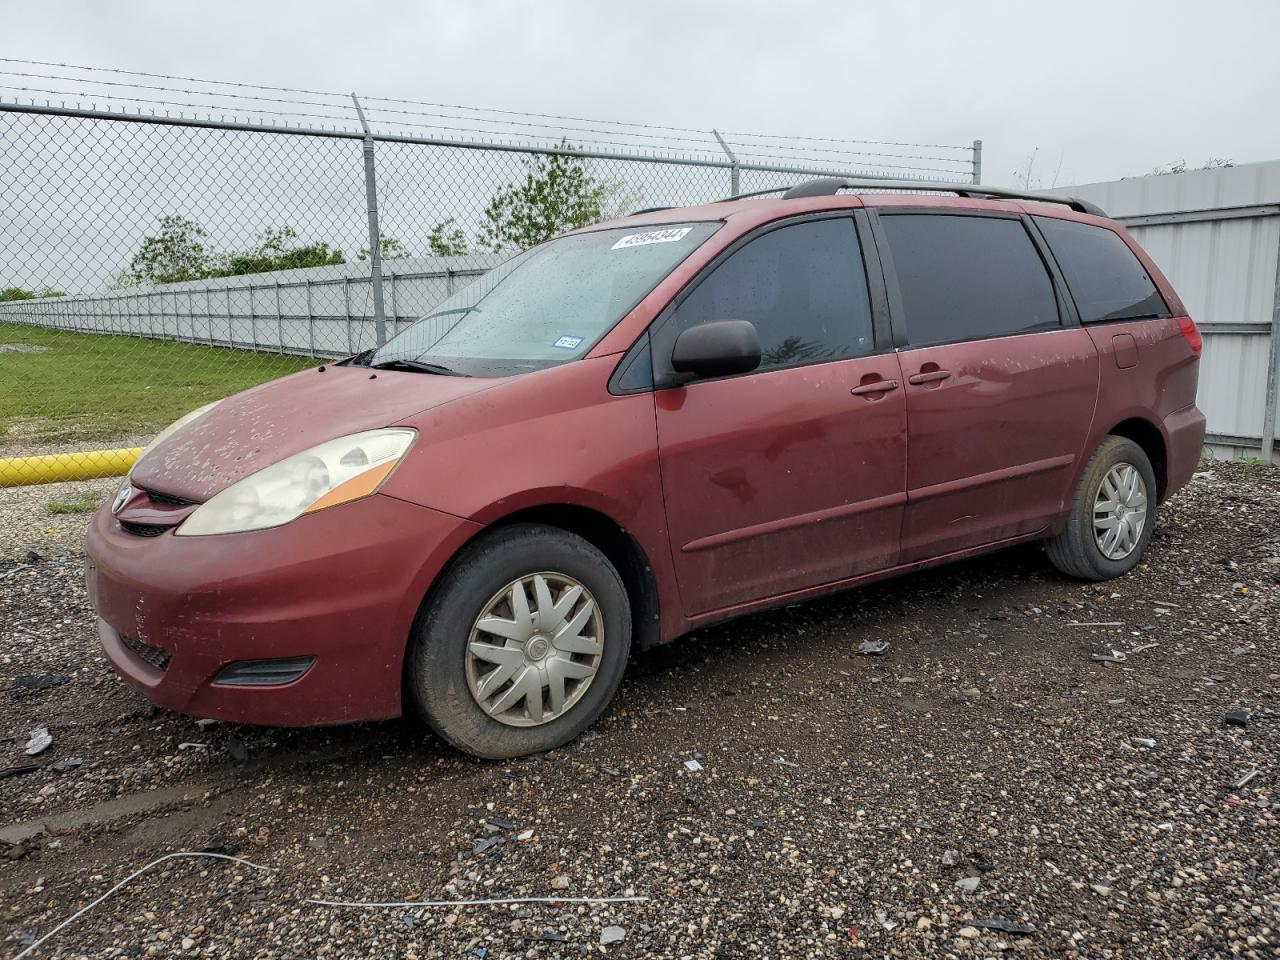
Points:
point(60, 467)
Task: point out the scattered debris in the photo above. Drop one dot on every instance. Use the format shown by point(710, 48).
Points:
point(1144, 741)
point(7, 772)
point(692, 765)
point(485, 843)
point(1108, 623)
point(66, 764)
point(882, 917)
point(612, 935)
point(1114, 656)
point(968, 884)
point(205, 724)
point(1236, 718)
point(38, 681)
point(950, 858)
point(873, 648)
point(1244, 781)
point(1101, 889)
point(1006, 926)
point(41, 740)
point(560, 883)
point(785, 763)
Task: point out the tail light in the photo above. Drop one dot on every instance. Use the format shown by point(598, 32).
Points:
point(1192, 334)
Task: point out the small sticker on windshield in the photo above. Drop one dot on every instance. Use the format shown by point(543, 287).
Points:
point(669, 235)
point(568, 343)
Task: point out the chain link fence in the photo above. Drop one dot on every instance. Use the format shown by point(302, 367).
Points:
point(151, 263)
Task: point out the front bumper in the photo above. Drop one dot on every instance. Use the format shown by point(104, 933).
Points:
point(342, 585)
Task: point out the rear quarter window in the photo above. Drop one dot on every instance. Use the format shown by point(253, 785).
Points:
point(1106, 280)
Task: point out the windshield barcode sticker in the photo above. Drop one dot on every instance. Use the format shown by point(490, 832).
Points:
point(568, 343)
point(653, 236)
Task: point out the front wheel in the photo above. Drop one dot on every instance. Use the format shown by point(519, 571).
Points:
point(1112, 514)
point(522, 644)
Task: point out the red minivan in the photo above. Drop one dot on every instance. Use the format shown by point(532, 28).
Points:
point(640, 428)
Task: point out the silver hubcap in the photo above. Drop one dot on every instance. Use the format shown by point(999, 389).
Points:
point(1120, 511)
point(534, 649)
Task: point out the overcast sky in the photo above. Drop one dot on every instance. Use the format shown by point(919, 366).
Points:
point(1098, 90)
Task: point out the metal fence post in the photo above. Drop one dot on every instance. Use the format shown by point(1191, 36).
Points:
point(1273, 373)
point(375, 233)
point(733, 165)
point(311, 321)
point(977, 161)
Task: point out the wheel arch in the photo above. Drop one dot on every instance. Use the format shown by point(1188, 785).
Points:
point(1148, 436)
point(615, 542)
point(606, 535)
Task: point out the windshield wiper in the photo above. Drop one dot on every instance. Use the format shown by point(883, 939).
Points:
point(417, 366)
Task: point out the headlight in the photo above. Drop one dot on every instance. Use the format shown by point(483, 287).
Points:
point(173, 428)
point(334, 472)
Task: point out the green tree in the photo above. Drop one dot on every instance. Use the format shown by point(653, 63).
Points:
point(18, 293)
point(180, 252)
point(558, 193)
point(447, 239)
point(389, 248)
point(276, 252)
point(177, 253)
point(1180, 166)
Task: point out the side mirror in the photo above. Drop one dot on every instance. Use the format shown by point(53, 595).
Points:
point(716, 349)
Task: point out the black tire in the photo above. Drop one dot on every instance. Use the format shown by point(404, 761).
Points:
point(1075, 551)
point(438, 649)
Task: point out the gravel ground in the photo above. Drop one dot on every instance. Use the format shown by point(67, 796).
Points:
point(983, 772)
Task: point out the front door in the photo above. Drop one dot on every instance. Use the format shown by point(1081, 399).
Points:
point(791, 476)
point(1000, 392)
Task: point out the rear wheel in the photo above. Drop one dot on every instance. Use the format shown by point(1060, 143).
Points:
point(1112, 514)
point(522, 644)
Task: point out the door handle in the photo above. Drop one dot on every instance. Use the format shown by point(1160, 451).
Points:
point(874, 388)
point(930, 376)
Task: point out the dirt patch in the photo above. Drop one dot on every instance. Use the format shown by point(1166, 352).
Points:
point(981, 777)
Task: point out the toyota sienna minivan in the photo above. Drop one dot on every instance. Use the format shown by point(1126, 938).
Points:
point(640, 428)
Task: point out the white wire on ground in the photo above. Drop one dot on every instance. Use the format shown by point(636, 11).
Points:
point(320, 903)
point(472, 903)
point(133, 876)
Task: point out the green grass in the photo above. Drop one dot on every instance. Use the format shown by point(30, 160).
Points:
point(97, 387)
point(85, 503)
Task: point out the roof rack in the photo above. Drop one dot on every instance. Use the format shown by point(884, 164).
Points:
point(829, 186)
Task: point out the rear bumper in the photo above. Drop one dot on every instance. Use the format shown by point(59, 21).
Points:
point(341, 585)
point(1184, 436)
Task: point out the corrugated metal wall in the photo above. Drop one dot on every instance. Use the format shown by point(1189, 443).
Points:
point(1216, 235)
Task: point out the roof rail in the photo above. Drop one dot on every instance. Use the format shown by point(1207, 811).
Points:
point(829, 186)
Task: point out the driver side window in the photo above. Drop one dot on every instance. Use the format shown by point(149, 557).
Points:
point(804, 288)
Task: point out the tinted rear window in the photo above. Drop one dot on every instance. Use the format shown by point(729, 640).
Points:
point(1106, 280)
point(968, 278)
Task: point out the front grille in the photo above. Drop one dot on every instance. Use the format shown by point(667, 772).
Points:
point(141, 529)
point(151, 656)
point(168, 499)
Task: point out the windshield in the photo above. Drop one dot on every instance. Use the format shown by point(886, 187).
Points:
point(546, 306)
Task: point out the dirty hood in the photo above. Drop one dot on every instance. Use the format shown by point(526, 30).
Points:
point(265, 424)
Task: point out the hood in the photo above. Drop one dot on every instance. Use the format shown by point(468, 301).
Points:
point(265, 424)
